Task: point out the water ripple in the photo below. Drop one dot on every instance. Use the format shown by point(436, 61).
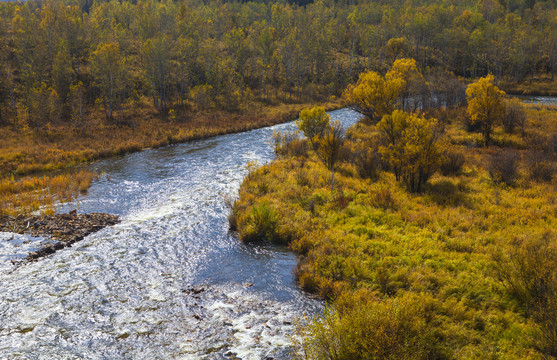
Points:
point(123, 292)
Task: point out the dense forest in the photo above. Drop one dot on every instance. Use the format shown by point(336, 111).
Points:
point(429, 226)
point(61, 60)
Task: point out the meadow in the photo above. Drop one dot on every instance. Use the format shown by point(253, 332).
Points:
point(465, 269)
point(41, 167)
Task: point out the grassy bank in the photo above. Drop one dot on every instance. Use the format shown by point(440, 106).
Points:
point(543, 86)
point(28, 157)
point(450, 273)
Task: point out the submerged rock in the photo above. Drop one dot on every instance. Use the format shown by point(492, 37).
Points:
point(65, 229)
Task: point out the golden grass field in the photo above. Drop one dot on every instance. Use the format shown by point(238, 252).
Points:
point(39, 167)
point(445, 274)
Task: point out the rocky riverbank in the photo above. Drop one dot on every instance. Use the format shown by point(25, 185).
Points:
point(63, 229)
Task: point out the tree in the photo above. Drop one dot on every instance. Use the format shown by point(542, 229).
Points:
point(325, 137)
point(394, 47)
point(328, 147)
point(413, 85)
point(108, 72)
point(410, 147)
point(376, 96)
point(485, 105)
point(372, 95)
point(62, 72)
point(77, 103)
point(43, 105)
point(157, 55)
point(313, 123)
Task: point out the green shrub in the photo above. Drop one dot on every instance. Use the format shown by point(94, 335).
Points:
point(262, 224)
point(373, 329)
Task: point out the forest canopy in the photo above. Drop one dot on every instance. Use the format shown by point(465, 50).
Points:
point(60, 58)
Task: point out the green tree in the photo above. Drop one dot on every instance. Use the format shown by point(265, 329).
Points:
point(485, 105)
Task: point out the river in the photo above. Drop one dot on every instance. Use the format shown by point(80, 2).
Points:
point(170, 281)
point(538, 100)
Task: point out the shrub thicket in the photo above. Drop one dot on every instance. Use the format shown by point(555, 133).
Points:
point(539, 165)
point(503, 167)
point(529, 272)
point(452, 162)
point(418, 266)
point(515, 116)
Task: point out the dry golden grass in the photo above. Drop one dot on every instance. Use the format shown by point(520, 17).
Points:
point(429, 269)
point(33, 193)
point(26, 152)
point(537, 86)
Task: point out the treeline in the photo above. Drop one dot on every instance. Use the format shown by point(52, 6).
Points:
point(61, 59)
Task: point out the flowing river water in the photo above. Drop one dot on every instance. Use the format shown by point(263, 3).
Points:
point(170, 281)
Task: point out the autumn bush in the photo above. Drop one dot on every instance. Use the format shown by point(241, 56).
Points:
point(262, 224)
point(503, 167)
point(529, 272)
point(515, 116)
point(384, 329)
point(452, 162)
point(539, 165)
point(282, 141)
point(420, 267)
point(384, 199)
point(366, 159)
point(410, 147)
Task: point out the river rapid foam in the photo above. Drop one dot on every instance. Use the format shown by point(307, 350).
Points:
point(170, 281)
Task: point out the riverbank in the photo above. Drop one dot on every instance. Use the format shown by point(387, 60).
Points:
point(32, 155)
point(536, 87)
point(446, 273)
point(63, 229)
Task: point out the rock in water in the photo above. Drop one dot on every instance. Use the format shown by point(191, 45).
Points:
point(66, 229)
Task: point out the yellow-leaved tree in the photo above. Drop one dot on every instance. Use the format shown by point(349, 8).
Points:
point(411, 147)
point(375, 96)
point(485, 105)
point(328, 148)
point(313, 123)
point(109, 72)
point(326, 137)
